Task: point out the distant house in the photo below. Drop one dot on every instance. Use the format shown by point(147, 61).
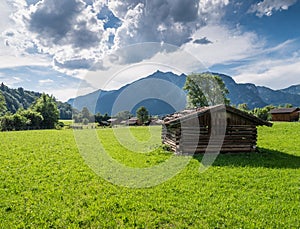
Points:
point(112, 121)
point(285, 114)
point(216, 128)
point(132, 121)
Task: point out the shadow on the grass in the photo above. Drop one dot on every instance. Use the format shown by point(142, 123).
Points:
point(263, 158)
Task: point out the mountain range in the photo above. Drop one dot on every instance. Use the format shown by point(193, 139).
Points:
point(161, 93)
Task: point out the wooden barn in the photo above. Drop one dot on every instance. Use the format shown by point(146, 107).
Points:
point(285, 114)
point(216, 128)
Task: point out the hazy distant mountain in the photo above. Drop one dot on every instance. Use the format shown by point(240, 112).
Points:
point(242, 93)
point(103, 101)
point(295, 89)
point(254, 96)
point(278, 97)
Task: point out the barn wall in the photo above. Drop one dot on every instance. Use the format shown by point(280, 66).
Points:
point(238, 138)
point(194, 135)
point(286, 117)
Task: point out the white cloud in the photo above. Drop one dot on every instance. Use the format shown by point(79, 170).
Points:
point(171, 21)
point(226, 45)
point(4, 16)
point(46, 81)
point(66, 31)
point(267, 7)
point(71, 33)
point(276, 74)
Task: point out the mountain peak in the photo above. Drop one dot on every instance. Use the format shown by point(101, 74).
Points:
point(247, 93)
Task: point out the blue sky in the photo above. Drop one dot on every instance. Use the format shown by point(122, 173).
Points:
point(57, 46)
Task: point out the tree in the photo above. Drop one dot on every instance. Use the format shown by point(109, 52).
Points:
point(123, 115)
point(101, 118)
point(20, 122)
point(46, 106)
point(13, 122)
point(205, 89)
point(7, 123)
point(142, 114)
point(34, 118)
point(288, 105)
point(243, 107)
point(86, 115)
point(262, 113)
point(65, 110)
point(2, 104)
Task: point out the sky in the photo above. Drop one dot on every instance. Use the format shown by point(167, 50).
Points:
point(71, 47)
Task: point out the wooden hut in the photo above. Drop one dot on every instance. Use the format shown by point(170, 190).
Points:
point(216, 128)
point(285, 114)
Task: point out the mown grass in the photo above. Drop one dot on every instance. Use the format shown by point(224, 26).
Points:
point(45, 183)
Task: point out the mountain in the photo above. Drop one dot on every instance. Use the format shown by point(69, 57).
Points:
point(109, 101)
point(295, 89)
point(278, 97)
point(242, 93)
point(19, 98)
point(158, 85)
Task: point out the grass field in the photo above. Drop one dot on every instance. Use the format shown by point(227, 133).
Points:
point(45, 183)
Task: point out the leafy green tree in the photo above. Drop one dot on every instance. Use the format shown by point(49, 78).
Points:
point(205, 89)
point(86, 115)
point(34, 118)
point(100, 118)
point(2, 104)
point(123, 115)
point(65, 110)
point(262, 113)
point(7, 123)
point(46, 106)
point(20, 122)
point(85, 121)
point(243, 107)
point(288, 105)
point(142, 114)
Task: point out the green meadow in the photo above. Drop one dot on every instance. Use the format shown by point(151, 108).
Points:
point(45, 183)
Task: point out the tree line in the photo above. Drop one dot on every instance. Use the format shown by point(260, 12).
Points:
point(42, 114)
point(85, 116)
point(19, 98)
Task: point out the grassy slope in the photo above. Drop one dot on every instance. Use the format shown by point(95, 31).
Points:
point(44, 182)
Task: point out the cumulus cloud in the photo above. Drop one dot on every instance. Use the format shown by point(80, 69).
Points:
point(267, 7)
point(228, 45)
point(170, 21)
point(68, 31)
point(65, 22)
point(78, 34)
point(276, 67)
point(270, 73)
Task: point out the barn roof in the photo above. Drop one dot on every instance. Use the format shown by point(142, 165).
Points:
point(284, 110)
point(189, 114)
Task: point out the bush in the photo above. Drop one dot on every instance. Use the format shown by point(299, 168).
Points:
point(14, 122)
point(262, 113)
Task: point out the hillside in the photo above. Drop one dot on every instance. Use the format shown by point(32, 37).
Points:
point(254, 96)
point(295, 89)
point(19, 98)
point(103, 101)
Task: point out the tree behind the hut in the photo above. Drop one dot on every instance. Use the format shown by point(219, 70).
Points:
point(205, 89)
